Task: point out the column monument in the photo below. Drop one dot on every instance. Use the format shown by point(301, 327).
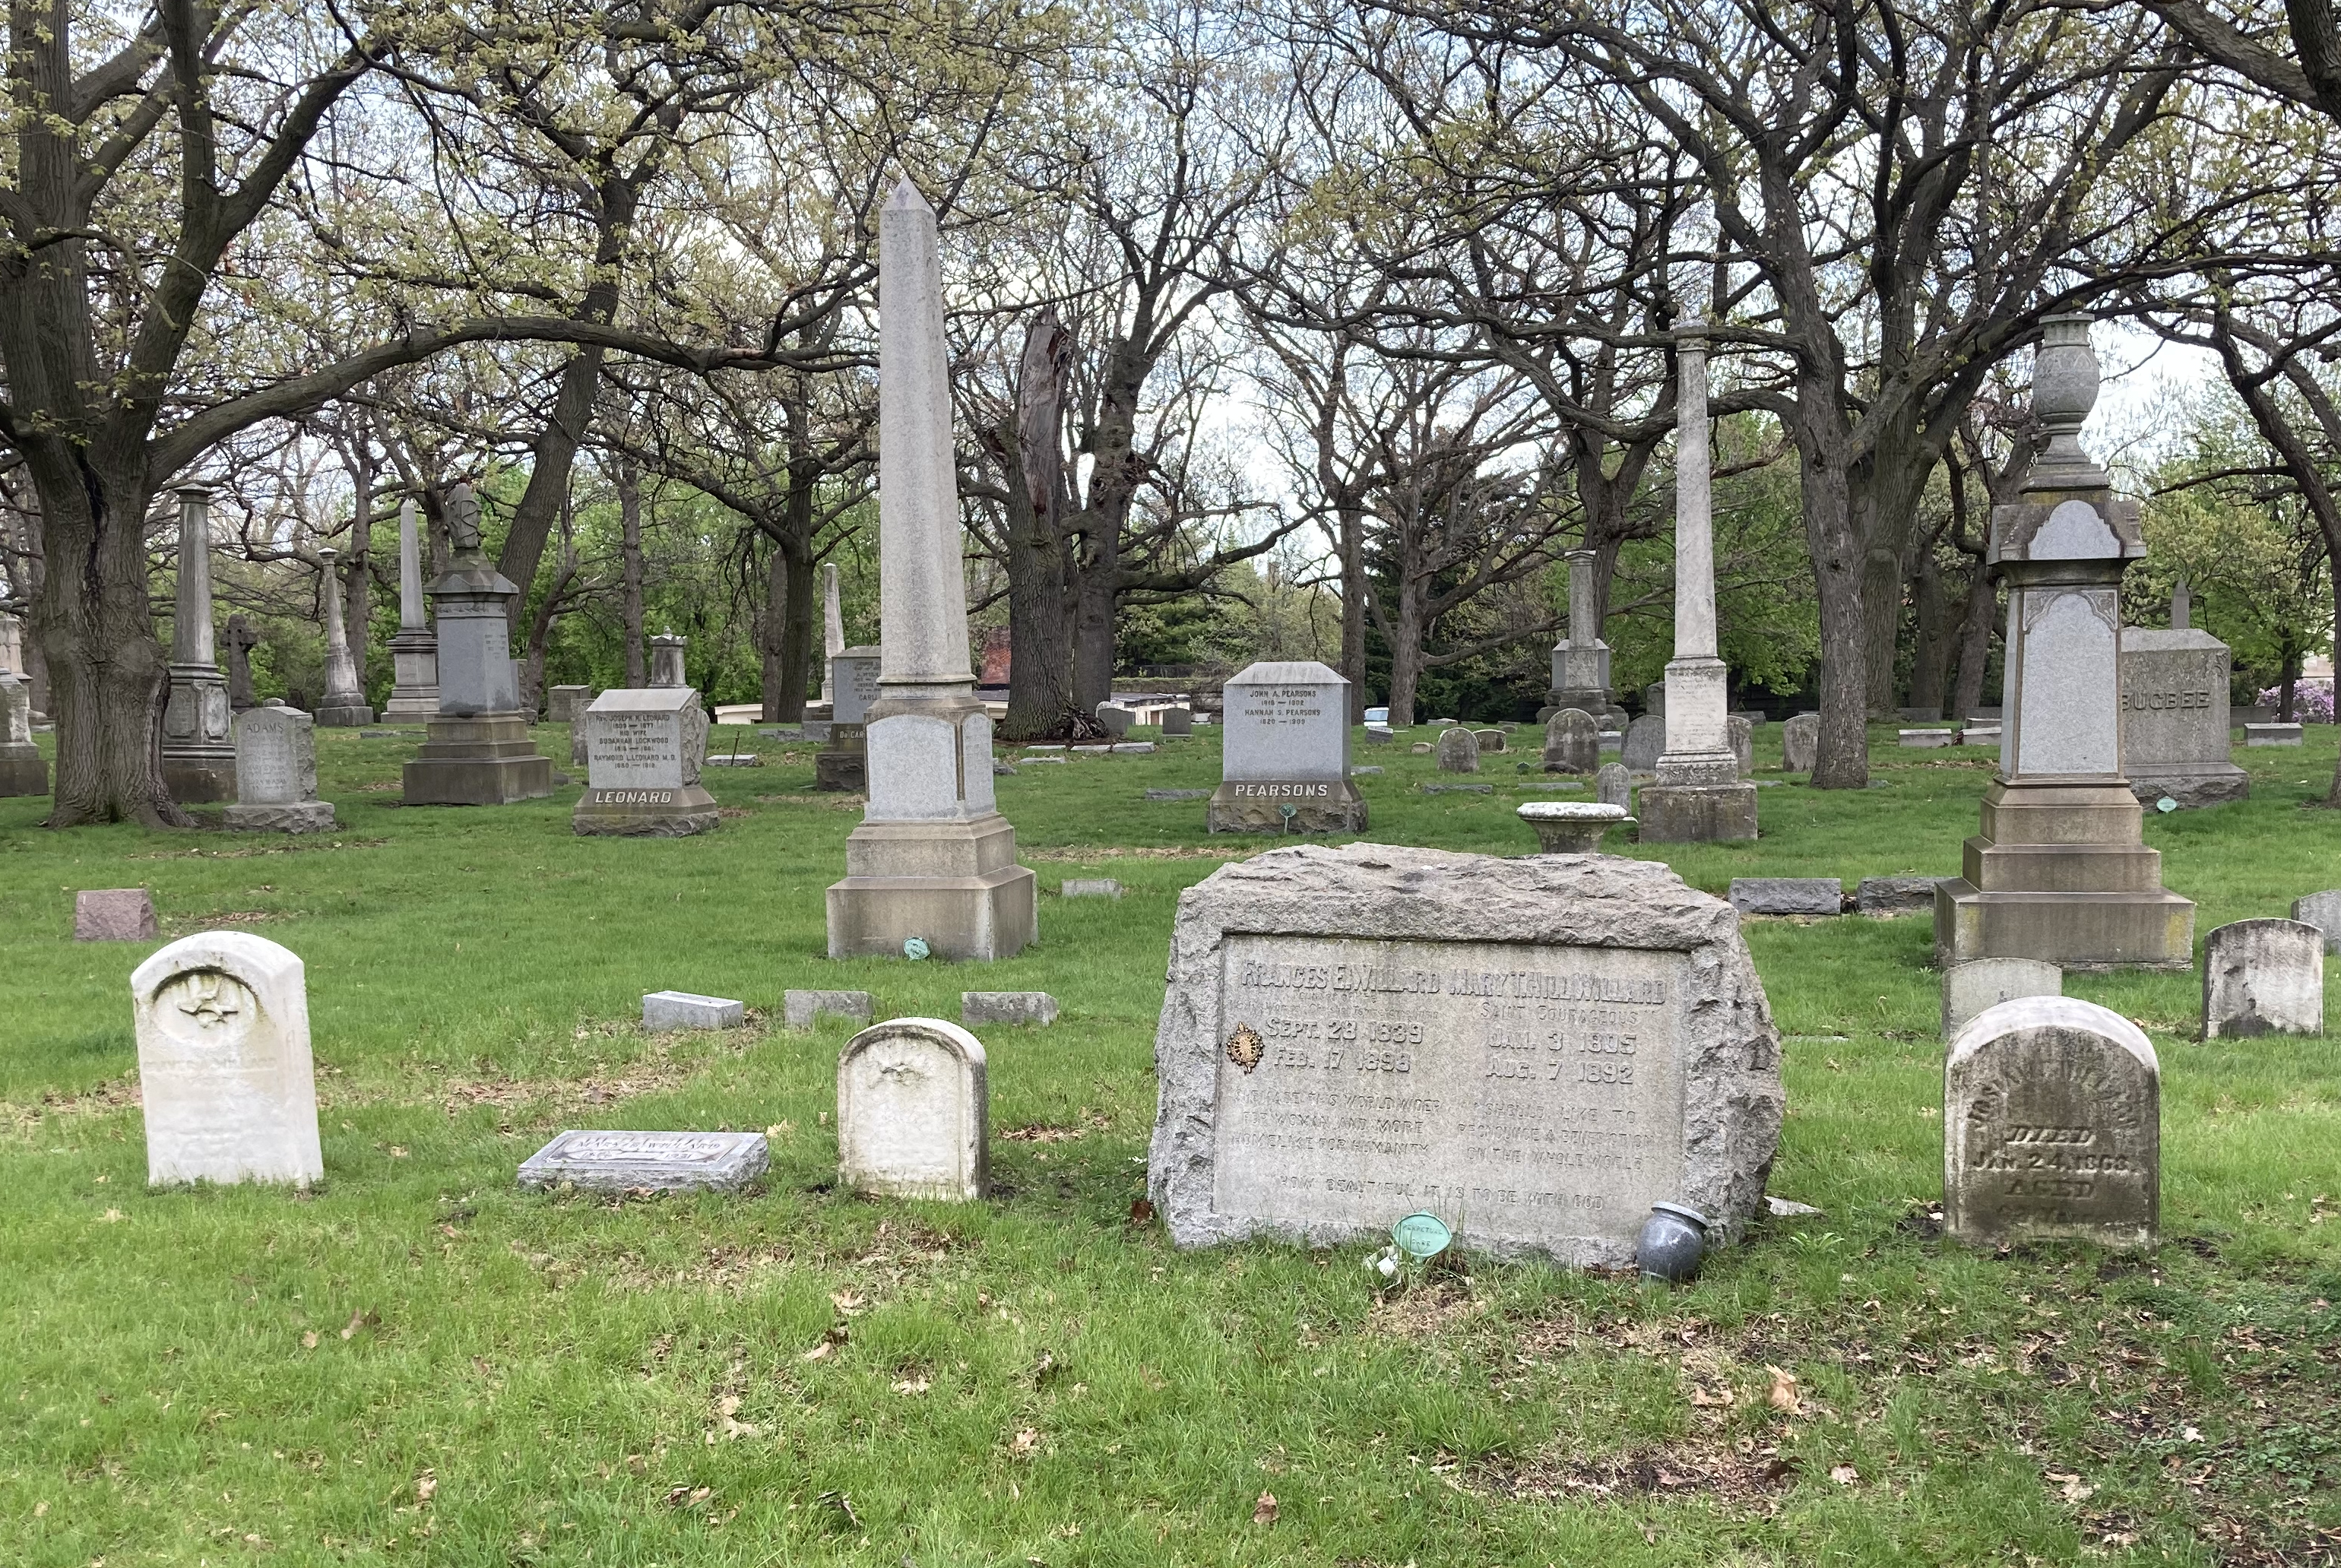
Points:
point(933, 859)
point(1580, 660)
point(1700, 795)
point(344, 705)
point(198, 746)
point(477, 751)
point(2060, 871)
point(414, 651)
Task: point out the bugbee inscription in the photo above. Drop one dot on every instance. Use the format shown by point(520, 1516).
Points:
point(1537, 1091)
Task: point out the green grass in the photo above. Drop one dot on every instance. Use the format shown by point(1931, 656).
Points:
point(508, 1378)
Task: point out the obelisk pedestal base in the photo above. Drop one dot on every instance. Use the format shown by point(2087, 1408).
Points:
point(414, 664)
point(343, 715)
point(623, 812)
point(198, 781)
point(843, 764)
point(2059, 873)
point(2191, 785)
point(955, 886)
point(487, 760)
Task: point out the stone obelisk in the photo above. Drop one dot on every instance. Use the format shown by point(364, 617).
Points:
point(477, 751)
point(832, 627)
point(1700, 795)
point(933, 859)
point(414, 651)
point(344, 705)
point(1580, 660)
point(198, 744)
point(2060, 871)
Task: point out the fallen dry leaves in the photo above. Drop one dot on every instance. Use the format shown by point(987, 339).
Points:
point(1264, 1511)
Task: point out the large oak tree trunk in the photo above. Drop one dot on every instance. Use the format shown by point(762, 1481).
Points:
point(1930, 651)
point(1841, 758)
point(1974, 640)
point(772, 639)
point(629, 570)
point(1355, 587)
point(1406, 650)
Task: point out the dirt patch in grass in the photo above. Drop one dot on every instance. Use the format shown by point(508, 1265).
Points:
point(175, 925)
point(1432, 1310)
point(1749, 1481)
point(114, 1094)
point(293, 846)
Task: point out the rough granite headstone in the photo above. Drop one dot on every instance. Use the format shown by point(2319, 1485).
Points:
point(114, 914)
point(1787, 894)
point(224, 1076)
point(913, 1112)
point(648, 1161)
point(276, 774)
point(1536, 1049)
point(689, 1010)
point(1033, 1007)
point(1459, 751)
point(1285, 759)
point(2263, 977)
point(1886, 895)
point(802, 1009)
point(2052, 1126)
point(1646, 742)
point(1613, 786)
point(2323, 911)
point(1800, 739)
point(1985, 983)
point(1572, 743)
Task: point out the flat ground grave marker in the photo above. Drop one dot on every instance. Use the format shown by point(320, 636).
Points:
point(648, 1161)
point(1535, 1050)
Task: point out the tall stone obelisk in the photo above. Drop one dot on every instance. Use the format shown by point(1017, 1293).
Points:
point(414, 650)
point(1699, 796)
point(833, 628)
point(1580, 660)
point(344, 705)
point(477, 751)
point(2060, 871)
point(933, 859)
point(198, 746)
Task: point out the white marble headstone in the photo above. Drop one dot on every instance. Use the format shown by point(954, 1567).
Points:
point(913, 1111)
point(224, 1065)
point(1286, 722)
point(276, 755)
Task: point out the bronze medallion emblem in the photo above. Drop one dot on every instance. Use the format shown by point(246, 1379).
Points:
point(1243, 1047)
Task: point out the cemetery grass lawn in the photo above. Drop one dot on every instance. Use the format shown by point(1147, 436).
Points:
point(418, 1363)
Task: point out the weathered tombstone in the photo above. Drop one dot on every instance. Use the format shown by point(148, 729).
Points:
point(1285, 758)
point(1537, 1049)
point(800, 1009)
point(1033, 1007)
point(239, 640)
point(1572, 743)
point(114, 914)
point(566, 704)
point(1654, 699)
point(198, 752)
point(1613, 786)
point(1743, 742)
point(1459, 751)
point(223, 1070)
point(1787, 894)
point(842, 763)
point(477, 750)
point(663, 1010)
point(2173, 699)
point(1891, 895)
point(1089, 887)
point(597, 1161)
point(2060, 869)
point(1646, 741)
point(931, 859)
point(2052, 1126)
point(1490, 740)
point(1178, 722)
point(1800, 738)
point(276, 774)
point(2272, 734)
point(1116, 718)
point(644, 778)
point(22, 770)
point(2323, 911)
point(913, 1112)
point(2263, 977)
point(1972, 988)
point(414, 650)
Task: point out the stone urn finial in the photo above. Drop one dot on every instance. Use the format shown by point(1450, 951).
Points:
point(2063, 390)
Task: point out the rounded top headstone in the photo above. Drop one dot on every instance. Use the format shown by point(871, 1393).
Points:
point(272, 702)
point(2021, 1014)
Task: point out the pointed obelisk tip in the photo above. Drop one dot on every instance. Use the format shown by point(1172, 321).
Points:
point(906, 198)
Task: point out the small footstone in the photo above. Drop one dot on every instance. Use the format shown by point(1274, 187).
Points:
point(1134, 748)
point(1178, 794)
point(2272, 734)
point(2052, 1126)
point(1059, 761)
point(1091, 887)
point(1422, 748)
point(114, 914)
point(1895, 896)
point(2323, 911)
point(1984, 982)
point(1786, 895)
point(1924, 740)
point(800, 1009)
point(1489, 740)
point(688, 1010)
point(648, 1161)
point(739, 760)
point(2263, 977)
point(1458, 789)
point(1358, 772)
point(1007, 1007)
point(913, 1112)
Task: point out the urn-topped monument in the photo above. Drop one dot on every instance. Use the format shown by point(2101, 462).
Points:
point(477, 752)
point(2060, 871)
point(198, 747)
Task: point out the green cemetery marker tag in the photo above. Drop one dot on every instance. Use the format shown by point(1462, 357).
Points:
point(1421, 1235)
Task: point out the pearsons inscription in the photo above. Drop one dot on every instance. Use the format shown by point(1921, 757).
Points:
point(1529, 1091)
